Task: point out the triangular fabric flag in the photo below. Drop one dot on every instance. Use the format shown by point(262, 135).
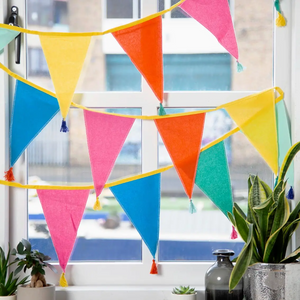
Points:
point(143, 45)
point(140, 199)
point(182, 137)
point(65, 57)
point(255, 116)
point(6, 36)
point(284, 139)
point(32, 111)
point(215, 16)
point(213, 177)
point(106, 135)
point(63, 210)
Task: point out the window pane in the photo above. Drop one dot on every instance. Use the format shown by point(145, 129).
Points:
point(178, 12)
point(119, 9)
point(62, 159)
point(194, 237)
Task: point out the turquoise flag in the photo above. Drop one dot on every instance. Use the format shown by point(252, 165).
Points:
point(284, 139)
point(6, 36)
point(213, 178)
point(140, 199)
point(32, 111)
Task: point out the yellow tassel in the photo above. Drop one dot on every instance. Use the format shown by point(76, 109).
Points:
point(280, 21)
point(97, 205)
point(63, 281)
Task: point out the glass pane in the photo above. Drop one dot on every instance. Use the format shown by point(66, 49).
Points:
point(62, 159)
point(194, 237)
point(106, 67)
point(187, 43)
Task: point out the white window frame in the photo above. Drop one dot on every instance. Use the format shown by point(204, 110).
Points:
point(135, 275)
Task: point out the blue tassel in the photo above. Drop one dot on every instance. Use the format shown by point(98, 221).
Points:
point(161, 111)
point(290, 194)
point(192, 208)
point(239, 67)
point(64, 127)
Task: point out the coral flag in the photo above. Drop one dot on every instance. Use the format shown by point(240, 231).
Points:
point(32, 111)
point(182, 137)
point(284, 139)
point(65, 57)
point(63, 210)
point(6, 36)
point(255, 116)
point(143, 45)
point(106, 135)
point(213, 178)
point(140, 199)
point(215, 16)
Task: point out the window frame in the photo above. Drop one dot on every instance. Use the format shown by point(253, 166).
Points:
point(13, 218)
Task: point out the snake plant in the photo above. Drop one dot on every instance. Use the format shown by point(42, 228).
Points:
point(269, 224)
point(183, 290)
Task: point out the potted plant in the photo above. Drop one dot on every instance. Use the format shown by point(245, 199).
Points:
point(184, 293)
point(8, 281)
point(27, 259)
point(267, 229)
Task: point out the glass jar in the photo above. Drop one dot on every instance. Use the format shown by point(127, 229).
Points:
point(217, 279)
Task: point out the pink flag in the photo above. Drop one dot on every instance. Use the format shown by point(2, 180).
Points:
point(106, 135)
point(215, 16)
point(63, 210)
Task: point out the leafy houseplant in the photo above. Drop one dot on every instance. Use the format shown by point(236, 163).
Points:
point(269, 224)
point(8, 282)
point(184, 292)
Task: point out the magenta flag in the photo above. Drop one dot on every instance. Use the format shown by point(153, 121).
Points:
point(63, 210)
point(106, 135)
point(215, 16)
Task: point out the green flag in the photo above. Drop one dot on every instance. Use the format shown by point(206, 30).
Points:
point(6, 36)
point(213, 178)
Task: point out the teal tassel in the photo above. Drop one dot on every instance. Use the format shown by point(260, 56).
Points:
point(276, 181)
point(161, 111)
point(277, 6)
point(239, 67)
point(192, 208)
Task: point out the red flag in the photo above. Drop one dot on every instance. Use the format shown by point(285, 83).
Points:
point(182, 137)
point(143, 44)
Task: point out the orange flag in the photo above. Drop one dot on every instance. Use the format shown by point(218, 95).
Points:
point(143, 45)
point(182, 137)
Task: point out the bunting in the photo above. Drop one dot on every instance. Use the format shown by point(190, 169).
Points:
point(63, 210)
point(6, 36)
point(213, 177)
point(284, 139)
point(32, 111)
point(106, 135)
point(143, 45)
point(65, 57)
point(215, 16)
point(255, 116)
point(182, 137)
point(140, 199)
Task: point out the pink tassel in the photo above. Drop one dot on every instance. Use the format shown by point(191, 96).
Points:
point(234, 234)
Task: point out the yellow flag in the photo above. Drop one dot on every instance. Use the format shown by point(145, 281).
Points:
point(65, 56)
point(255, 116)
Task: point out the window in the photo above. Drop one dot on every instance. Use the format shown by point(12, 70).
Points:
point(123, 9)
point(220, 84)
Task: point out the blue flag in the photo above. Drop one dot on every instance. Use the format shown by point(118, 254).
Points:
point(32, 111)
point(140, 199)
point(284, 139)
point(6, 36)
point(213, 178)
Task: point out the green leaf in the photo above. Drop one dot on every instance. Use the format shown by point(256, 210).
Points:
point(231, 218)
point(292, 257)
point(27, 245)
point(241, 224)
point(294, 214)
point(20, 248)
point(240, 211)
point(243, 261)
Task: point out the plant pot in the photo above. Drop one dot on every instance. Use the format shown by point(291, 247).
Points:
point(43, 293)
point(272, 282)
point(11, 297)
point(184, 296)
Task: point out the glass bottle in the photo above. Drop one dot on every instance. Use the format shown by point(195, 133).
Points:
point(217, 278)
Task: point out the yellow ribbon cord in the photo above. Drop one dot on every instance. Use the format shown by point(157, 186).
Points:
point(97, 205)
point(280, 21)
point(92, 33)
point(63, 281)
